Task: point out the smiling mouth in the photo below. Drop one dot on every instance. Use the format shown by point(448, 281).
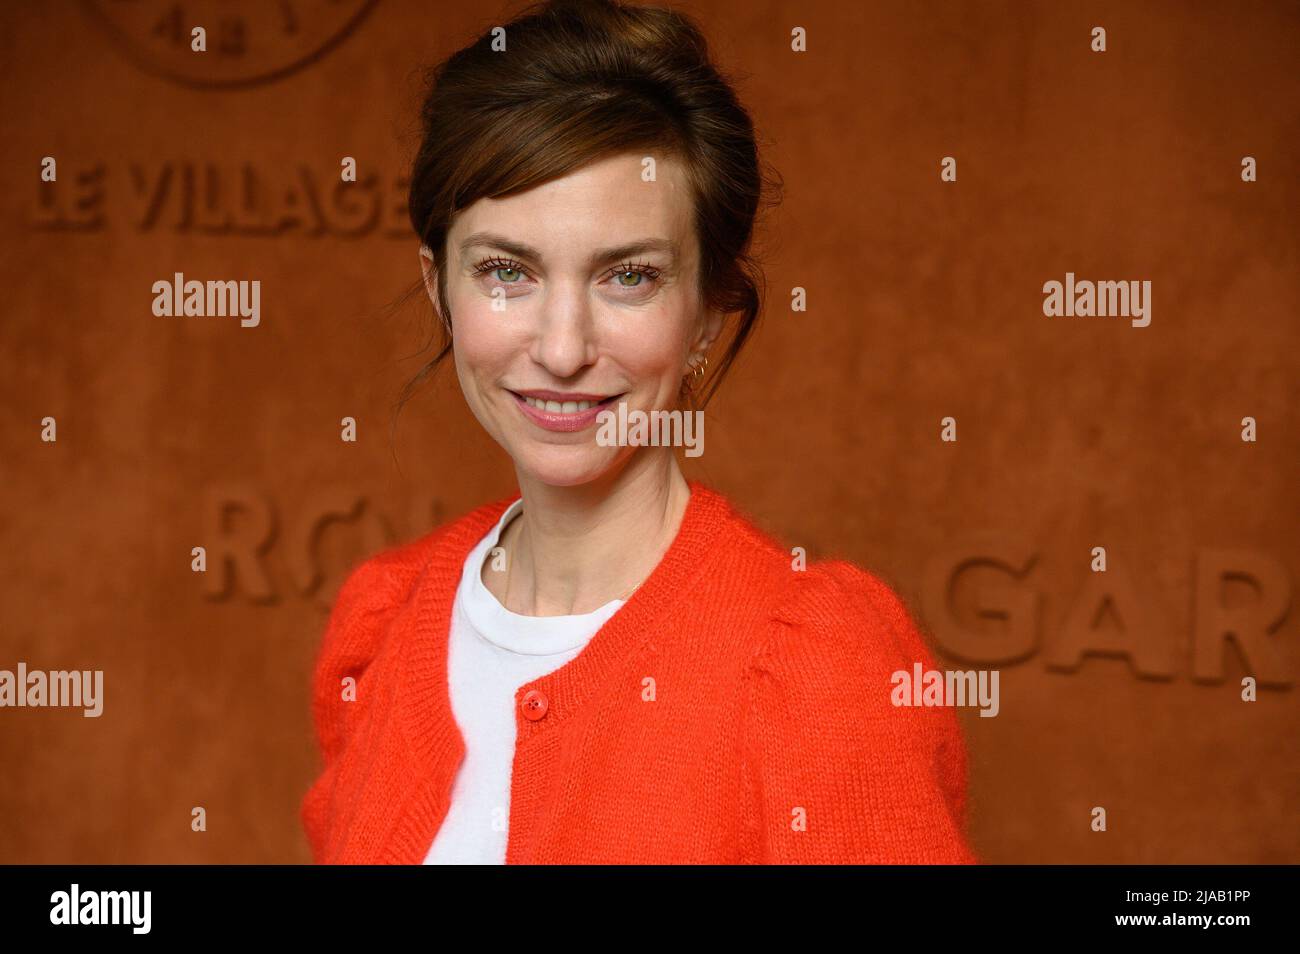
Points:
point(553, 406)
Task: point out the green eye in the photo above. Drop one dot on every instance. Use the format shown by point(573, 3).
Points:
point(514, 272)
point(636, 276)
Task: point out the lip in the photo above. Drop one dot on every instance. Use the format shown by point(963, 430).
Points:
point(563, 396)
point(562, 422)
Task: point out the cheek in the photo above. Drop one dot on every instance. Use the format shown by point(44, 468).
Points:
point(651, 349)
point(483, 340)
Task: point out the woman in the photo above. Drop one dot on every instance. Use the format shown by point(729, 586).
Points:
point(614, 665)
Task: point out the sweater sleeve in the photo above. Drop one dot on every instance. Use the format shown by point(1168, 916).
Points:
point(834, 772)
point(367, 600)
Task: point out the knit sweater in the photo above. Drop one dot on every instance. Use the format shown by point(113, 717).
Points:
point(735, 710)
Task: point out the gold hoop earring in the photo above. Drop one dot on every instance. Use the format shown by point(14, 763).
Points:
point(693, 379)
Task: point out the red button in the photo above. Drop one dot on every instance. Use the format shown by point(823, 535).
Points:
point(534, 705)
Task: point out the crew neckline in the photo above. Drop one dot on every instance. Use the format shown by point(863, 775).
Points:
point(516, 632)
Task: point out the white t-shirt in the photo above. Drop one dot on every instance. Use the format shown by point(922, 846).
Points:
point(491, 653)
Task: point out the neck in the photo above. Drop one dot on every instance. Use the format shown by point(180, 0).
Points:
point(573, 549)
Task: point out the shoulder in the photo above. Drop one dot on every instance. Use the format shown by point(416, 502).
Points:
point(837, 617)
point(824, 627)
point(840, 602)
point(377, 587)
point(372, 595)
point(385, 578)
point(840, 605)
point(884, 783)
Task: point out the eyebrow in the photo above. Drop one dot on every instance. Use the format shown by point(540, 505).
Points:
point(598, 257)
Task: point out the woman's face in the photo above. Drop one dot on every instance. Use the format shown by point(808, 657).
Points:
point(579, 294)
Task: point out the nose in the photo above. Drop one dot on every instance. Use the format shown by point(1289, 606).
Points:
point(564, 340)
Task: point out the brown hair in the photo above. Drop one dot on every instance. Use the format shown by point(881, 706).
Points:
point(580, 80)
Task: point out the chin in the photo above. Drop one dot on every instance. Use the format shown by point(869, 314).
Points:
point(559, 465)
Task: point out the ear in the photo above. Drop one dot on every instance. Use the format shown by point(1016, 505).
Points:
point(430, 272)
point(710, 329)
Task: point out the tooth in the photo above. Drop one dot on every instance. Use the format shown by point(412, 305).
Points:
point(584, 405)
point(553, 407)
point(568, 407)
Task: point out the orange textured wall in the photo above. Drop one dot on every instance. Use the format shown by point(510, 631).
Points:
point(924, 301)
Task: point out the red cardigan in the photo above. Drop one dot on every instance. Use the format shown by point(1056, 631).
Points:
point(734, 710)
